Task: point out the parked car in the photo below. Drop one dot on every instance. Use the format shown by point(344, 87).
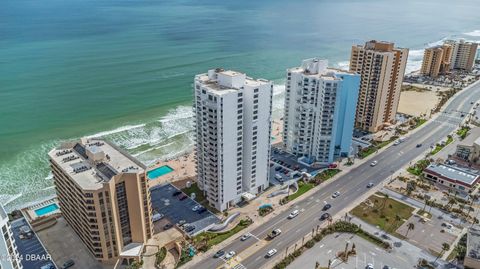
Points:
point(332, 165)
point(274, 233)
point(68, 264)
point(397, 142)
point(245, 236)
point(230, 255)
point(181, 222)
point(177, 193)
point(157, 217)
point(167, 226)
point(189, 228)
point(326, 207)
point(369, 185)
point(324, 216)
point(335, 194)
point(182, 197)
point(201, 210)
point(278, 168)
point(373, 163)
point(196, 208)
point(293, 214)
point(48, 266)
point(369, 266)
point(271, 252)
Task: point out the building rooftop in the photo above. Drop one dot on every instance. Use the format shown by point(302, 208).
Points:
point(90, 162)
point(318, 68)
point(473, 243)
point(224, 81)
point(462, 175)
point(3, 213)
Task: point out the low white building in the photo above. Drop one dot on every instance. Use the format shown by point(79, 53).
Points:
point(233, 127)
point(453, 177)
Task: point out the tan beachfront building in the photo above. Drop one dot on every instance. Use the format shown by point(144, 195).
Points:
point(382, 67)
point(437, 60)
point(463, 55)
point(104, 197)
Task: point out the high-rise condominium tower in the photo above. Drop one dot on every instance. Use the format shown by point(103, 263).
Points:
point(9, 256)
point(436, 60)
point(232, 135)
point(319, 111)
point(463, 55)
point(382, 68)
point(104, 197)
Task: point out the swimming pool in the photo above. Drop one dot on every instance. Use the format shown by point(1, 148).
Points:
point(159, 171)
point(46, 209)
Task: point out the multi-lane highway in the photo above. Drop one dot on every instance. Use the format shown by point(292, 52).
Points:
point(351, 185)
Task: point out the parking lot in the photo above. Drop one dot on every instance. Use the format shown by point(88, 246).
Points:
point(367, 253)
point(31, 250)
point(286, 166)
point(175, 210)
point(428, 235)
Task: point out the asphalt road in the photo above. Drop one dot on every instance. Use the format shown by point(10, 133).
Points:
point(351, 186)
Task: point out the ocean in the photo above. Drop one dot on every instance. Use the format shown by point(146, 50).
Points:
point(124, 69)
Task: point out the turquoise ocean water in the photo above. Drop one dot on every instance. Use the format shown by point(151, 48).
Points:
point(124, 69)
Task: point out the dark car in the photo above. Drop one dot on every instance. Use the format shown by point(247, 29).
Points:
point(324, 216)
point(177, 193)
point(278, 168)
point(201, 210)
point(182, 196)
point(419, 145)
point(219, 254)
point(326, 207)
point(167, 226)
point(68, 264)
point(189, 228)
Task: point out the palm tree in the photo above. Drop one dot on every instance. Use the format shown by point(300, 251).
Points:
point(445, 247)
point(317, 265)
point(451, 202)
point(410, 227)
point(385, 198)
point(397, 219)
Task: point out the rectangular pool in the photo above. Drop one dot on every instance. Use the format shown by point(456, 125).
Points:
point(159, 171)
point(46, 209)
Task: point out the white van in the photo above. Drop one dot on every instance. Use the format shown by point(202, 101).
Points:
point(157, 217)
point(279, 177)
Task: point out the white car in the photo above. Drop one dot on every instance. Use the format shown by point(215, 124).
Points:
point(271, 252)
point(374, 163)
point(369, 266)
point(396, 143)
point(335, 194)
point(196, 208)
point(369, 185)
point(293, 214)
point(245, 236)
point(157, 217)
point(230, 255)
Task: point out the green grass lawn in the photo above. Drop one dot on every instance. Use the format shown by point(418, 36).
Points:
point(302, 188)
point(200, 198)
point(327, 174)
point(439, 147)
point(216, 238)
point(383, 212)
point(419, 122)
point(417, 168)
point(375, 146)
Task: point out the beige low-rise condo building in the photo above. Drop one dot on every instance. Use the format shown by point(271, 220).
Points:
point(382, 67)
point(437, 60)
point(104, 197)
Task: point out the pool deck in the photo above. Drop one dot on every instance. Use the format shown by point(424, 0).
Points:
point(183, 168)
point(31, 215)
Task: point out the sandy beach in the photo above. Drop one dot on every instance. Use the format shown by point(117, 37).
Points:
point(184, 166)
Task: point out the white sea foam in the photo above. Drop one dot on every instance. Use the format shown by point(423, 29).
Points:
point(117, 130)
point(344, 65)
point(473, 33)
